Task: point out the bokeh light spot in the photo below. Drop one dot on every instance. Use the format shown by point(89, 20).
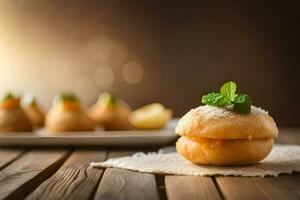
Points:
point(100, 47)
point(132, 72)
point(104, 76)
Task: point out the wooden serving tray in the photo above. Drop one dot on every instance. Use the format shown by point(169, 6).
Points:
point(92, 138)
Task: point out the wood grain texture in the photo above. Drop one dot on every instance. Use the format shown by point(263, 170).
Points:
point(22, 176)
point(124, 184)
point(120, 153)
point(190, 187)
point(288, 185)
point(289, 136)
point(281, 187)
point(248, 188)
point(160, 184)
point(76, 179)
point(9, 155)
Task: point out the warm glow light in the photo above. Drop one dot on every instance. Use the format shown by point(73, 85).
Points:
point(54, 52)
point(100, 47)
point(119, 54)
point(132, 72)
point(104, 76)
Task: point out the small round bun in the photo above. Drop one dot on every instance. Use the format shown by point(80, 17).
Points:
point(59, 120)
point(221, 123)
point(115, 118)
point(36, 115)
point(14, 120)
point(224, 152)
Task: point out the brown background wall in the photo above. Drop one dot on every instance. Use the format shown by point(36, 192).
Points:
point(185, 49)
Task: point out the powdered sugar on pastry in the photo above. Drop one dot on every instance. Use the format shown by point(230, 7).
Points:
point(218, 112)
point(213, 111)
point(255, 109)
point(220, 123)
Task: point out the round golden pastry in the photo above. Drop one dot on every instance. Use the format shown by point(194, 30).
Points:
point(12, 116)
point(33, 110)
point(68, 115)
point(219, 123)
point(110, 112)
point(220, 136)
point(224, 152)
point(36, 115)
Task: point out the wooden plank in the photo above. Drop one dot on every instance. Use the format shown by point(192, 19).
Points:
point(76, 179)
point(160, 184)
point(248, 188)
point(190, 187)
point(289, 136)
point(288, 185)
point(124, 184)
point(25, 174)
point(7, 156)
point(120, 153)
point(281, 187)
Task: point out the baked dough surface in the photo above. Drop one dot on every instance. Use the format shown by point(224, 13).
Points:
point(220, 123)
point(14, 120)
point(224, 152)
point(59, 119)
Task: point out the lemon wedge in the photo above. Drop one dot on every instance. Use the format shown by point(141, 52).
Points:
point(152, 116)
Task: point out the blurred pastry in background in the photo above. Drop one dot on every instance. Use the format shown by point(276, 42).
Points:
point(67, 114)
point(111, 112)
point(33, 110)
point(12, 116)
point(152, 116)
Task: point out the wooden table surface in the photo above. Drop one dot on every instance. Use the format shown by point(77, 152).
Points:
point(41, 173)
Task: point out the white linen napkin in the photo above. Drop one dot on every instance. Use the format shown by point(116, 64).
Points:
point(282, 159)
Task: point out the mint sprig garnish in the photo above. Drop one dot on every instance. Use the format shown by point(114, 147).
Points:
point(242, 104)
point(108, 100)
point(29, 100)
point(66, 97)
point(228, 90)
point(227, 97)
point(215, 99)
point(8, 96)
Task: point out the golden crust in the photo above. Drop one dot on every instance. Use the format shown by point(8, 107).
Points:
point(112, 118)
point(224, 152)
point(59, 119)
point(220, 123)
point(14, 120)
point(35, 114)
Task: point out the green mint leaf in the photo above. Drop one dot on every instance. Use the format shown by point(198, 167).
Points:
point(66, 97)
point(242, 104)
point(227, 96)
point(108, 100)
point(215, 99)
point(29, 100)
point(228, 90)
point(9, 96)
point(111, 101)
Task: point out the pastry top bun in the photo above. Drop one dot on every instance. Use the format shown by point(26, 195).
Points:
point(224, 123)
point(68, 115)
point(111, 112)
point(61, 119)
point(14, 120)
